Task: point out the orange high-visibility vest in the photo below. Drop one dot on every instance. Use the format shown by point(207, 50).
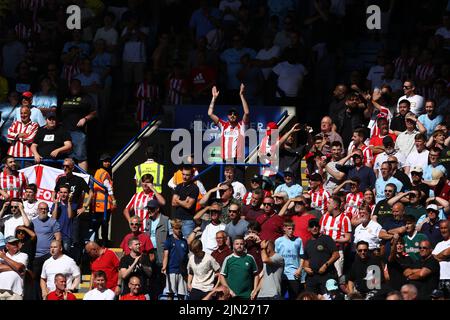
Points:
point(99, 193)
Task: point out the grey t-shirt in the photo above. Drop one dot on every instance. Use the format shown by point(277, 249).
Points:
point(271, 281)
point(236, 230)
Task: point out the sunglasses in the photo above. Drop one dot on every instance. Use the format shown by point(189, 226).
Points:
point(314, 226)
point(268, 204)
point(232, 114)
point(406, 87)
point(388, 190)
point(135, 224)
point(416, 173)
point(66, 166)
point(14, 207)
point(363, 250)
point(232, 211)
point(214, 211)
point(424, 248)
point(299, 203)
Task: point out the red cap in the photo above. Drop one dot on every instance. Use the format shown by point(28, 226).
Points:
point(27, 94)
point(271, 126)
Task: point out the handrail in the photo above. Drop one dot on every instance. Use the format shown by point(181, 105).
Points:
point(133, 144)
point(221, 165)
point(92, 180)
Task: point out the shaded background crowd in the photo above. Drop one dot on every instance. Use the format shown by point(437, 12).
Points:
point(366, 218)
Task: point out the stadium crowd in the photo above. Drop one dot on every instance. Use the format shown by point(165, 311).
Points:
point(369, 222)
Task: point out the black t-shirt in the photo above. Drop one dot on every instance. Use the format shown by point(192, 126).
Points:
point(51, 139)
point(427, 285)
point(423, 188)
point(432, 232)
point(398, 123)
point(76, 183)
point(318, 251)
point(404, 179)
point(290, 158)
point(362, 270)
point(75, 108)
point(184, 191)
point(396, 268)
point(138, 271)
point(383, 211)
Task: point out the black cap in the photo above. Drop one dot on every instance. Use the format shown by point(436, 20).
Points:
point(105, 156)
point(232, 110)
point(257, 178)
point(288, 171)
point(388, 141)
point(437, 294)
point(313, 223)
point(51, 114)
point(152, 204)
point(315, 177)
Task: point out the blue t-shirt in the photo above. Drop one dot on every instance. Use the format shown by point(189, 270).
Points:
point(293, 191)
point(65, 224)
point(380, 184)
point(85, 49)
point(201, 23)
point(178, 253)
point(428, 171)
point(291, 251)
point(45, 101)
point(100, 63)
point(232, 58)
point(45, 234)
point(429, 124)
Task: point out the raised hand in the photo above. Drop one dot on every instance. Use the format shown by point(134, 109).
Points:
point(215, 92)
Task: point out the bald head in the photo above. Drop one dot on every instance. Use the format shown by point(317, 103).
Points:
point(326, 124)
point(398, 210)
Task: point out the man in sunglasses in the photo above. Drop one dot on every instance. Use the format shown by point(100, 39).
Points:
point(385, 178)
point(426, 275)
point(146, 244)
point(289, 186)
point(415, 100)
point(419, 156)
point(16, 217)
point(383, 209)
point(365, 174)
point(366, 273)
point(232, 132)
point(237, 226)
point(319, 256)
point(209, 228)
point(417, 180)
point(412, 201)
point(271, 223)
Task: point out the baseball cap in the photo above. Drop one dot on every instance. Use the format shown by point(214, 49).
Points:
point(152, 204)
point(331, 285)
point(289, 171)
point(105, 156)
point(11, 239)
point(315, 177)
point(417, 169)
point(51, 114)
point(27, 95)
point(437, 294)
point(313, 223)
point(232, 110)
point(432, 207)
point(257, 178)
point(388, 141)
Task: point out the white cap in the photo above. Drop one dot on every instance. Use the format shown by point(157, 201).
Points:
point(432, 207)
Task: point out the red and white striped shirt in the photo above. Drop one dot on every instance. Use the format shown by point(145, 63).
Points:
point(424, 72)
point(232, 139)
point(335, 227)
point(352, 203)
point(20, 147)
point(174, 95)
point(403, 67)
point(138, 203)
point(25, 33)
point(367, 153)
point(266, 148)
point(146, 91)
point(374, 130)
point(70, 71)
point(319, 199)
point(14, 185)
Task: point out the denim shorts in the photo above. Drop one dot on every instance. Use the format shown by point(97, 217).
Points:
point(79, 151)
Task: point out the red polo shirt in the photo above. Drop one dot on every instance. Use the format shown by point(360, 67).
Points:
point(271, 228)
point(301, 227)
point(109, 263)
point(146, 243)
point(130, 297)
point(54, 296)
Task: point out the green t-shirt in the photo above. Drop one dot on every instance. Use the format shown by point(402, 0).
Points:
point(412, 245)
point(239, 271)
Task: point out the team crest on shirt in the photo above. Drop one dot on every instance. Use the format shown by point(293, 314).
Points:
point(182, 244)
point(246, 264)
point(320, 247)
point(416, 244)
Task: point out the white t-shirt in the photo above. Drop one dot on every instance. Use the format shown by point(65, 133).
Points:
point(369, 234)
point(203, 271)
point(445, 265)
point(133, 49)
point(110, 36)
point(417, 103)
point(233, 5)
point(11, 223)
point(375, 75)
point(208, 237)
point(64, 264)
point(290, 77)
point(95, 294)
point(31, 209)
point(417, 159)
point(11, 280)
point(264, 54)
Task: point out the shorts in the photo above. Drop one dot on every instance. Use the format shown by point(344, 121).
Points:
point(79, 151)
point(175, 284)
